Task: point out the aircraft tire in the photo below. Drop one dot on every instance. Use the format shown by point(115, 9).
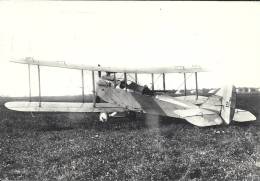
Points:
point(103, 117)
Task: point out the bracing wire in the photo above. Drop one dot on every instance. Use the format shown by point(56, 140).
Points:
point(181, 85)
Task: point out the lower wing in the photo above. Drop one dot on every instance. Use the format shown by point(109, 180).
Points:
point(194, 116)
point(62, 107)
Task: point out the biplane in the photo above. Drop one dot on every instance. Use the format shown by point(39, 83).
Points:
point(113, 95)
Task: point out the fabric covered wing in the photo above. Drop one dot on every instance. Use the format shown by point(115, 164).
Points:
point(62, 107)
point(200, 117)
point(62, 64)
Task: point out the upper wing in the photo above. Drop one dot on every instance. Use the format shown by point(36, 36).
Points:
point(62, 64)
point(62, 107)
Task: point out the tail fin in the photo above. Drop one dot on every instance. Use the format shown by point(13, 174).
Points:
point(218, 108)
point(223, 102)
point(228, 102)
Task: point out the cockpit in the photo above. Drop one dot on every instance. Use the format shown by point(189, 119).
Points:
point(109, 80)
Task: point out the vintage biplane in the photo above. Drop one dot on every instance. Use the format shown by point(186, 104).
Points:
point(113, 95)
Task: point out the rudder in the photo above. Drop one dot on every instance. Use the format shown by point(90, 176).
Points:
point(228, 103)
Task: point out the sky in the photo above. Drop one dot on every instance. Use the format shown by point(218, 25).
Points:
point(223, 37)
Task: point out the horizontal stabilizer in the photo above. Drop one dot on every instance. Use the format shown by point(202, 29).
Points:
point(243, 116)
point(62, 107)
point(200, 117)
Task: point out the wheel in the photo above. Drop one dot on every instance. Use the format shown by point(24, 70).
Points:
point(103, 117)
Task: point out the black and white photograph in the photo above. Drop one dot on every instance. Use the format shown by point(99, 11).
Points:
point(129, 90)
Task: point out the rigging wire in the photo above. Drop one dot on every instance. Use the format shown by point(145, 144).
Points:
point(181, 85)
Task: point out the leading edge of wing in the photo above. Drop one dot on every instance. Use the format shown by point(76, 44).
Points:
point(62, 64)
point(24, 106)
point(200, 117)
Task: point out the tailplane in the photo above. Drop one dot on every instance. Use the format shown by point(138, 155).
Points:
point(243, 116)
point(224, 102)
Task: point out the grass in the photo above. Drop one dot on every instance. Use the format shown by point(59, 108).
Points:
point(75, 146)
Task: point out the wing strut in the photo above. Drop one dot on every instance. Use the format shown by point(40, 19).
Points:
point(114, 80)
point(163, 81)
point(94, 89)
point(82, 81)
point(136, 78)
point(29, 74)
point(99, 72)
point(39, 83)
point(185, 88)
point(196, 79)
point(125, 79)
point(152, 82)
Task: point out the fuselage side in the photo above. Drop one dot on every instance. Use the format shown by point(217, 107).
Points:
point(162, 105)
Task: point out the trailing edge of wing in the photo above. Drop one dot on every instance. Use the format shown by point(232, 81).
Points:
point(62, 64)
point(200, 117)
point(62, 107)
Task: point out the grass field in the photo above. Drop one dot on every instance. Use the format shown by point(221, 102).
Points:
point(59, 146)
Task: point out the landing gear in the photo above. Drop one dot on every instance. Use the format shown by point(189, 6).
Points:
point(103, 117)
